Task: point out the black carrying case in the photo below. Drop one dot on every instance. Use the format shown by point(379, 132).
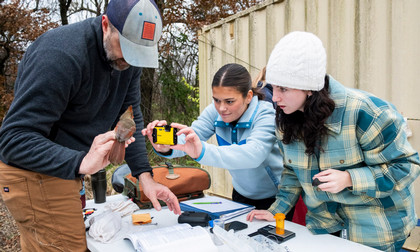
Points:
point(194, 218)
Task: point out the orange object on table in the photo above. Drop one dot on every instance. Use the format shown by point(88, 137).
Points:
point(279, 223)
point(139, 219)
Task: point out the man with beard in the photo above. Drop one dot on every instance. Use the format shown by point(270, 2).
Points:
point(73, 84)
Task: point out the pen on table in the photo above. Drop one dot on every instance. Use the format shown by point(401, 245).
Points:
point(197, 203)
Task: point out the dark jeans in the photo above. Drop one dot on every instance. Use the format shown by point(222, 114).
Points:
point(259, 204)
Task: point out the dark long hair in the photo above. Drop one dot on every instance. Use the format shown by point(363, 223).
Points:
point(236, 76)
point(308, 126)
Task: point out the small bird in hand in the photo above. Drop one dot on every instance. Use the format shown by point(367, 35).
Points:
point(123, 131)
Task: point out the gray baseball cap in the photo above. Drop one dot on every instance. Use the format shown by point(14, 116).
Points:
point(139, 24)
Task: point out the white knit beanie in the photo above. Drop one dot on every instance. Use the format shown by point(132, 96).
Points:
point(298, 61)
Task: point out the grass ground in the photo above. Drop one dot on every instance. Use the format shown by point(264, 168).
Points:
point(9, 235)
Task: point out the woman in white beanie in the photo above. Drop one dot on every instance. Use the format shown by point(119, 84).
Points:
point(345, 150)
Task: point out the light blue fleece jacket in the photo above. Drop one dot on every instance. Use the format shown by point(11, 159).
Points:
point(248, 150)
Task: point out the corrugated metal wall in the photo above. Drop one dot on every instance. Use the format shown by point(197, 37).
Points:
point(371, 45)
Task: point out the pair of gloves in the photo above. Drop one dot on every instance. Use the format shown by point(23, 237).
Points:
point(104, 226)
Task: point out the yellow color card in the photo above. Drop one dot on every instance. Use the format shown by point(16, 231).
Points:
point(140, 219)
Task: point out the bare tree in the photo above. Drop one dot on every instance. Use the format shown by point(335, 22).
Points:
point(17, 31)
point(64, 8)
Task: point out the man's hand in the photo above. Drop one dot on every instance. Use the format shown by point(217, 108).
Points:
point(335, 180)
point(155, 191)
point(260, 215)
point(97, 157)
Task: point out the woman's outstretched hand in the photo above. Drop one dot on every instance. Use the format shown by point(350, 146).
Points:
point(260, 215)
point(192, 145)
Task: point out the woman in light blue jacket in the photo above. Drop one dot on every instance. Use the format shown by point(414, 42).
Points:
point(244, 125)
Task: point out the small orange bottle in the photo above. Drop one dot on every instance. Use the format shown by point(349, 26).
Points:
point(279, 223)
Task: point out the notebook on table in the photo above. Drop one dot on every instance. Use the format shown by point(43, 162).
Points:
point(216, 207)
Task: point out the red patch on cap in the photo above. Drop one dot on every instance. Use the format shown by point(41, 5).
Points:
point(148, 31)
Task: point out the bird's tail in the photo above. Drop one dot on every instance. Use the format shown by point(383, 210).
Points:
point(117, 154)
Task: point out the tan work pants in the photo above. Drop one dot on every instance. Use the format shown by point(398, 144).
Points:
point(47, 210)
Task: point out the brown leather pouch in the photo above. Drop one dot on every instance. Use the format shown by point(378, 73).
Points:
point(186, 182)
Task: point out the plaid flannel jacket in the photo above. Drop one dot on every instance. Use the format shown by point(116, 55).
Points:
point(367, 139)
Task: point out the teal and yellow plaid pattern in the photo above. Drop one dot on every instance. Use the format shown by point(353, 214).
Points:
point(367, 139)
